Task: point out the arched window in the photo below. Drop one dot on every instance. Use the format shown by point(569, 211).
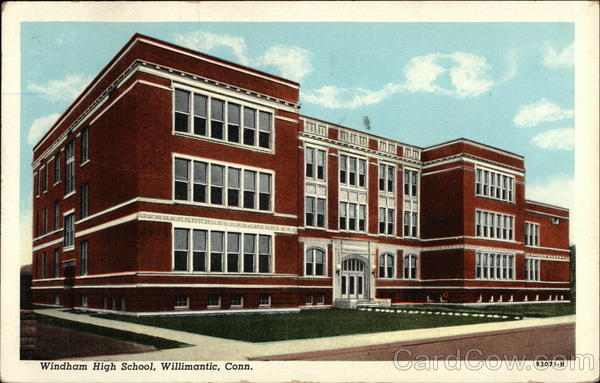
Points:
point(315, 261)
point(410, 266)
point(386, 266)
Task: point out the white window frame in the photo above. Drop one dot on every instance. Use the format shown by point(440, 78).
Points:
point(241, 303)
point(57, 166)
point(347, 158)
point(386, 266)
point(494, 184)
point(489, 223)
point(213, 306)
point(179, 299)
point(261, 301)
point(258, 128)
point(313, 250)
point(407, 260)
point(225, 186)
point(84, 300)
point(225, 251)
point(85, 148)
point(69, 245)
point(316, 151)
point(532, 234)
point(84, 257)
point(499, 266)
point(70, 164)
point(532, 269)
point(315, 212)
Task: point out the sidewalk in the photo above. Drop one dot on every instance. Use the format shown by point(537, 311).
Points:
point(215, 349)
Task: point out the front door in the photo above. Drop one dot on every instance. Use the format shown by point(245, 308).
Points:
point(353, 279)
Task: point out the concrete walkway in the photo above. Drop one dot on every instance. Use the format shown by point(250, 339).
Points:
point(215, 349)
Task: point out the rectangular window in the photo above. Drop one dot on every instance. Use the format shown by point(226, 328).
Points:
point(532, 234)
point(182, 111)
point(182, 301)
point(343, 168)
point(352, 171)
point(410, 183)
point(351, 216)
point(362, 172)
point(84, 145)
point(237, 300)
point(493, 225)
point(249, 252)
point(264, 254)
point(70, 168)
point(264, 195)
point(407, 224)
point(45, 220)
point(492, 184)
point(84, 200)
point(264, 129)
point(199, 251)
point(320, 299)
point(414, 224)
point(217, 114)
point(181, 249)
point(216, 184)
point(310, 211)
point(362, 213)
point(36, 180)
point(57, 168)
point(249, 126)
point(264, 300)
point(200, 177)
point(216, 251)
point(494, 266)
point(213, 301)
point(390, 221)
point(84, 257)
point(308, 299)
point(45, 177)
point(321, 157)
point(381, 220)
point(182, 179)
point(56, 263)
point(200, 107)
point(43, 264)
point(382, 177)
point(320, 212)
point(69, 230)
point(309, 155)
point(391, 180)
point(249, 189)
point(233, 186)
point(233, 122)
point(233, 252)
point(343, 215)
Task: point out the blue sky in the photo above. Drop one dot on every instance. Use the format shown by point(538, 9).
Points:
point(509, 85)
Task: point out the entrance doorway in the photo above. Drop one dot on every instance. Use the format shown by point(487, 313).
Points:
point(353, 279)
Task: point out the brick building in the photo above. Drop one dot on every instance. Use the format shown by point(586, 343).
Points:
point(179, 181)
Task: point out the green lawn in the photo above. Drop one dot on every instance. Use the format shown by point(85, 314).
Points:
point(158, 343)
point(520, 309)
point(306, 324)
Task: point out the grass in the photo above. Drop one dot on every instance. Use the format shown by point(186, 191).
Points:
point(152, 341)
point(540, 310)
point(306, 324)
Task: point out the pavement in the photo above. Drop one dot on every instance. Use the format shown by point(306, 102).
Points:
point(203, 347)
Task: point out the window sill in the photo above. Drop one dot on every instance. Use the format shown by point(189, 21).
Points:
point(236, 306)
point(84, 162)
point(67, 249)
point(213, 307)
point(69, 195)
point(264, 306)
point(181, 308)
point(56, 183)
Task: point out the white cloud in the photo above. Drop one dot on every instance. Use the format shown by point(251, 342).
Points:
point(333, 97)
point(541, 111)
point(557, 190)
point(562, 59)
point(206, 41)
point(290, 61)
point(65, 89)
point(40, 126)
point(559, 139)
point(466, 71)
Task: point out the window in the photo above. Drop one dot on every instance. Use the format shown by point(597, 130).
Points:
point(83, 260)
point(233, 122)
point(213, 301)
point(84, 200)
point(84, 145)
point(45, 220)
point(226, 185)
point(410, 183)
point(386, 266)
point(264, 300)
point(199, 250)
point(350, 168)
point(264, 253)
point(315, 212)
point(494, 266)
point(320, 299)
point(492, 184)
point(182, 111)
point(181, 249)
point(386, 178)
point(181, 245)
point(411, 220)
point(532, 234)
point(227, 119)
point(44, 176)
point(315, 261)
point(57, 168)
point(493, 225)
point(69, 230)
point(56, 263)
point(233, 252)
point(249, 252)
point(386, 220)
point(84, 301)
point(308, 299)
point(348, 216)
point(70, 168)
point(56, 214)
point(314, 163)
point(36, 179)
point(216, 251)
point(43, 265)
point(410, 266)
point(182, 301)
point(362, 213)
point(532, 269)
point(237, 300)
